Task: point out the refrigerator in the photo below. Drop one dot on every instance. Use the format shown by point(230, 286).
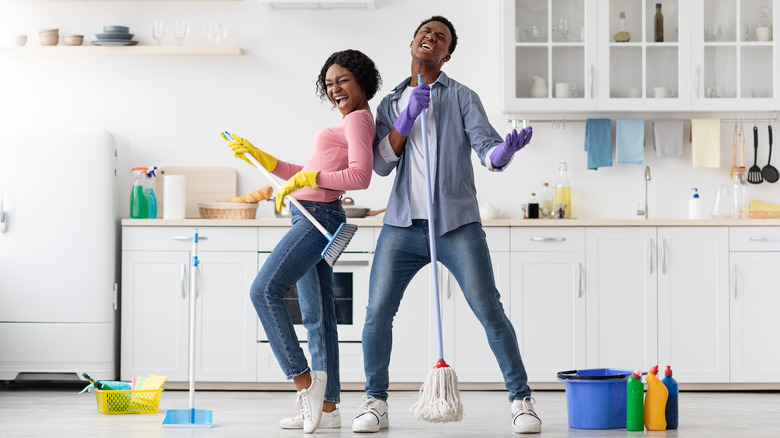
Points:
point(59, 227)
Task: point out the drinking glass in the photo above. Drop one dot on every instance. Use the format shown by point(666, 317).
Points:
point(563, 28)
point(215, 33)
point(158, 31)
point(182, 29)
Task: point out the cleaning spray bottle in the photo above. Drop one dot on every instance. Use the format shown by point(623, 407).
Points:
point(634, 398)
point(138, 204)
point(151, 199)
point(694, 205)
point(655, 401)
point(672, 409)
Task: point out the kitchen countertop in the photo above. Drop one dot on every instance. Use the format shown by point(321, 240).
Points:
point(377, 222)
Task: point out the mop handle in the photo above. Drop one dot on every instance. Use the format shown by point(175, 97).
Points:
point(431, 225)
point(193, 313)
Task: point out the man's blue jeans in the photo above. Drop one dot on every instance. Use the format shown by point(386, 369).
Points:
point(400, 253)
point(296, 260)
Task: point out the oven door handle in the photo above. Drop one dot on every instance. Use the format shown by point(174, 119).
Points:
point(351, 263)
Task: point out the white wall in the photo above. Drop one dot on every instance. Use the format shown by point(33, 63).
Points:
point(168, 111)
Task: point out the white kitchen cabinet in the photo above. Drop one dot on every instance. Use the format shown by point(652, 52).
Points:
point(693, 305)
point(622, 297)
point(704, 63)
point(155, 303)
point(548, 299)
point(755, 275)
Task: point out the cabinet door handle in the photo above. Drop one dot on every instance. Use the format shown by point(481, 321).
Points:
point(663, 256)
point(181, 280)
point(736, 273)
point(764, 238)
point(580, 280)
point(698, 81)
point(189, 238)
point(650, 246)
point(592, 81)
point(547, 239)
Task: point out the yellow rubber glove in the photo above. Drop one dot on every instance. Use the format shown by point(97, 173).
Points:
point(297, 181)
point(241, 145)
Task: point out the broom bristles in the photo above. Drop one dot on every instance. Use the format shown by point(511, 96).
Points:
point(439, 397)
point(338, 243)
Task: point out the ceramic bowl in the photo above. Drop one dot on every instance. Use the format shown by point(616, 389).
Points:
point(49, 40)
point(49, 32)
point(114, 36)
point(73, 40)
point(20, 40)
point(123, 29)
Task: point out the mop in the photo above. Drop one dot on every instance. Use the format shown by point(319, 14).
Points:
point(191, 417)
point(337, 242)
point(439, 395)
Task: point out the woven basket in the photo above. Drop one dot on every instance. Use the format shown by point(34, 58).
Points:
point(227, 210)
point(763, 214)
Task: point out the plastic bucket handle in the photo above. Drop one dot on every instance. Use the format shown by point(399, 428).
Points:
point(572, 375)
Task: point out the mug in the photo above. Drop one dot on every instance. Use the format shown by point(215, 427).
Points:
point(565, 89)
point(662, 92)
point(633, 92)
point(764, 33)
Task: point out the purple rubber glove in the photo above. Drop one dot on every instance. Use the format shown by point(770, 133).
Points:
point(420, 99)
point(513, 143)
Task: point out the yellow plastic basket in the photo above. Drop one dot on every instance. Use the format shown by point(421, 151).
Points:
point(137, 401)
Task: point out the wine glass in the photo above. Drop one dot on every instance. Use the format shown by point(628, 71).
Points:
point(182, 29)
point(215, 33)
point(563, 28)
point(158, 31)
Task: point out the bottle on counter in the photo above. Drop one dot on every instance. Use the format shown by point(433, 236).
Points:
point(546, 202)
point(672, 407)
point(694, 205)
point(740, 193)
point(622, 35)
point(151, 199)
point(138, 204)
point(658, 24)
point(655, 401)
point(634, 398)
point(563, 190)
point(533, 207)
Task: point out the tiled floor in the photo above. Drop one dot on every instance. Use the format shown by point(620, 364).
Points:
point(59, 411)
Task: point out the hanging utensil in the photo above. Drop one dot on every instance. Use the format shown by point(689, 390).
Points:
point(769, 172)
point(742, 148)
point(754, 173)
point(733, 153)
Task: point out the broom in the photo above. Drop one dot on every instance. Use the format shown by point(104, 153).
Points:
point(439, 395)
point(337, 242)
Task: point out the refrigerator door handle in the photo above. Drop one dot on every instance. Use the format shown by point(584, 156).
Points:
point(3, 216)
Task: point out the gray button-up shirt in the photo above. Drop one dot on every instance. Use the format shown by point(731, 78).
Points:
point(461, 125)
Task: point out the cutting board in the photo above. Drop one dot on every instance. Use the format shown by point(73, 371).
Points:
point(204, 184)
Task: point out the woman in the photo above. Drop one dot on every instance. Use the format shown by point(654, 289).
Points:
point(342, 159)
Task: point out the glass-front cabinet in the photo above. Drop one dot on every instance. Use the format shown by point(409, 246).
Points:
point(639, 55)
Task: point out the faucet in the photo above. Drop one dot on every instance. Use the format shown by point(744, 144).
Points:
point(646, 178)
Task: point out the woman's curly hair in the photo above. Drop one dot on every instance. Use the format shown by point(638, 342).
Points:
point(360, 65)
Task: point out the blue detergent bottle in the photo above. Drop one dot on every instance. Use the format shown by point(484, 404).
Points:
point(151, 199)
point(139, 208)
point(672, 407)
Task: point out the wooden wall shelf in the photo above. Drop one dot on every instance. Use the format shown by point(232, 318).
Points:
point(90, 50)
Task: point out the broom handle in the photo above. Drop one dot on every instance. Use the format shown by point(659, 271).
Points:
point(431, 227)
point(193, 313)
point(289, 197)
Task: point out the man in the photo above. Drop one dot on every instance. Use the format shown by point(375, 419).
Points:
point(456, 123)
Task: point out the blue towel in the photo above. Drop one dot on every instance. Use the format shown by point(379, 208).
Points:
point(630, 141)
point(598, 143)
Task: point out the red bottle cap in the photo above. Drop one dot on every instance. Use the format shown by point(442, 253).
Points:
point(654, 370)
point(668, 371)
point(637, 374)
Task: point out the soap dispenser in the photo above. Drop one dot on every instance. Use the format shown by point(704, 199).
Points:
point(694, 205)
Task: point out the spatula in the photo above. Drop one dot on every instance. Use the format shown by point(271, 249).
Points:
point(769, 172)
point(754, 173)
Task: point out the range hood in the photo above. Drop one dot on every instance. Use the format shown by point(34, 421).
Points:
point(319, 4)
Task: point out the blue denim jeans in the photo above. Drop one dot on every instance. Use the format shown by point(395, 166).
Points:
point(296, 260)
point(400, 253)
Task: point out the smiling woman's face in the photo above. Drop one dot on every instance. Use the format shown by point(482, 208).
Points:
point(344, 90)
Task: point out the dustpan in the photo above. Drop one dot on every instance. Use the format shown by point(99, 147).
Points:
point(191, 417)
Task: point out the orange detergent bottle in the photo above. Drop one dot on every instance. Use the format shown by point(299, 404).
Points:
point(655, 401)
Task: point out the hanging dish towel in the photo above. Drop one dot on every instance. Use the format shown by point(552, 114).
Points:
point(598, 143)
point(630, 141)
point(705, 142)
point(668, 138)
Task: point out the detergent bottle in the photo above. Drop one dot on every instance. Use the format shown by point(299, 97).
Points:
point(672, 409)
point(138, 204)
point(634, 398)
point(151, 199)
point(655, 401)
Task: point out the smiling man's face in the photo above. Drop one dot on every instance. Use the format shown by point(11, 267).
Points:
point(431, 44)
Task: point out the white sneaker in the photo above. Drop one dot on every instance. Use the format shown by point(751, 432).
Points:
point(309, 402)
point(373, 416)
point(329, 420)
point(524, 419)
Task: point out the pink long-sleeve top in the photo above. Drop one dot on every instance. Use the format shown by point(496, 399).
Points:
point(343, 155)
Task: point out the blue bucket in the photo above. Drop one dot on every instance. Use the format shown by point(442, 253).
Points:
point(596, 398)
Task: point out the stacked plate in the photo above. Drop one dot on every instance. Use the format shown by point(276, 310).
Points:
point(114, 36)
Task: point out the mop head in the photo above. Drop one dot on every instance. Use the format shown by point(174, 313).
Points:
point(439, 396)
